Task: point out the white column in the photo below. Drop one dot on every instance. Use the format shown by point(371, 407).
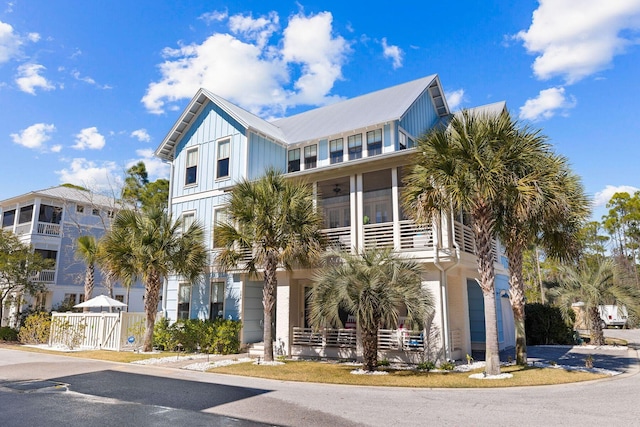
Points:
point(353, 212)
point(283, 326)
point(395, 203)
point(359, 211)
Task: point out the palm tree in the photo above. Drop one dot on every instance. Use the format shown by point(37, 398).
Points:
point(87, 251)
point(373, 286)
point(273, 222)
point(594, 284)
point(550, 216)
point(467, 166)
point(149, 246)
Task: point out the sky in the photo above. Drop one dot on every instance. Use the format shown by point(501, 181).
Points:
point(88, 89)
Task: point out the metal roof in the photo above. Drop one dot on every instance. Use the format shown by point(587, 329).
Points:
point(367, 110)
point(66, 194)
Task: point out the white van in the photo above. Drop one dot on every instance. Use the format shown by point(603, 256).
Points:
point(613, 315)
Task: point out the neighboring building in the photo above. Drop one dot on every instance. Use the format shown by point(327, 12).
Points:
point(355, 154)
point(50, 221)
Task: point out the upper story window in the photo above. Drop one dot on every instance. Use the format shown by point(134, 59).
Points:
point(374, 142)
point(95, 212)
point(80, 208)
point(293, 163)
point(220, 217)
point(402, 141)
point(310, 156)
point(192, 167)
point(26, 213)
point(336, 150)
point(111, 214)
point(50, 214)
point(224, 151)
point(355, 146)
point(8, 218)
point(188, 218)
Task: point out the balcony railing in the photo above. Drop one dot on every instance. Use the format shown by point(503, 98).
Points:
point(48, 229)
point(378, 235)
point(44, 276)
point(339, 238)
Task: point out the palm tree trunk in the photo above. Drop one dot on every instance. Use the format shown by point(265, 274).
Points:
point(269, 303)
point(516, 295)
point(482, 228)
point(151, 298)
point(597, 336)
point(370, 348)
point(89, 280)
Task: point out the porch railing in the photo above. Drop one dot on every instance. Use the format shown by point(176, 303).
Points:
point(44, 276)
point(388, 339)
point(48, 229)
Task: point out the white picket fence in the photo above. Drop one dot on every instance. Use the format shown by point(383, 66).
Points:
point(106, 331)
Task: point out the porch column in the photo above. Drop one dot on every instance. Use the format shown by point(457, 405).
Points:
point(395, 206)
point(283, 324)
point(357, 211)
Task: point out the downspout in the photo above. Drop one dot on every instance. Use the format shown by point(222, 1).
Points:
point(444, 312)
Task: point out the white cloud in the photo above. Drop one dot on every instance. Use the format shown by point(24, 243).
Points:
point(215, 16)
point(575, 40)
point(392, 52)
point(34, 136)
point(33, 37)
point(9, 42)
point(29, 78)
point(601, 198)
point(86, 79)
point(546, 104)
point(454, 99)
point(155, 167)
point(141, 135)
point(89, 138)
point(56, 148)
point(245, 69)
point(89, 174)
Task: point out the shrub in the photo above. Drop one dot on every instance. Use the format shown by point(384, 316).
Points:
point(544, 325)
point(447, 366)
point(426, 366)
point(219, 336)
point(36, 329)
point(8, 334)
point(384, 362)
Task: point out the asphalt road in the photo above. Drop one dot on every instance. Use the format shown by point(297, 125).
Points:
point(38, 389)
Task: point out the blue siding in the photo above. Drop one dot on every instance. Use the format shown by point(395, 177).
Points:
point(476, 308)
point(264, 153)
point(420, 117)
point(253, 312)
point(209, 127)
point(501, 283)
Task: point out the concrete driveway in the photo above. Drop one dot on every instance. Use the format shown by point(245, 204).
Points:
point(151, 395)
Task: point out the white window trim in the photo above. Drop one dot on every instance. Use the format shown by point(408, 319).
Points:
point(228, 176)
point(186, 166)
point(187, 213)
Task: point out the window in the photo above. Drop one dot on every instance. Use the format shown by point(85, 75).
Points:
point(111, 214)
point(119, 298)
point(402, 141)
point(26, 213)
point(217, 301)
point(79, 208)
point(184, 300)
point(187, 219)
point(70, 299)
point(47, 254)
point(192, 167)
point(50, 214)
point(95, 212)
point(374, 142)
point(224, 149)
point(355, 146)
point(293, 164)
point(310, 156)
point(336, 151)
point(219, 217)
point(80, 298)
point(8, 218)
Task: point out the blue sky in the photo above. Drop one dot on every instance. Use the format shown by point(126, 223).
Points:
point(89, 88)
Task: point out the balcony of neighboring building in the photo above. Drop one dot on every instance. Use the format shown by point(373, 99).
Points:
point(39, 219)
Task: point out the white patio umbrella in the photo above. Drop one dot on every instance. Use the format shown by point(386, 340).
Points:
point(100, 301)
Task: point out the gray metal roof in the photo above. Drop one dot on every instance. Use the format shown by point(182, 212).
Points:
point(367, 110)
point(493, 109)
point(67, 194)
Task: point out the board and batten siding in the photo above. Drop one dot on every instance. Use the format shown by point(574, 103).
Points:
point(211, 125)
point(420, 117)
point(262, 154)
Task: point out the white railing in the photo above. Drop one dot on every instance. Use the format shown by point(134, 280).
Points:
point(23, 229)
point(378, 235)
point(388, 339)
point(464, 238)
point(416, 237)
point(44, 276)
point(48, 229)
point(339, 238)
